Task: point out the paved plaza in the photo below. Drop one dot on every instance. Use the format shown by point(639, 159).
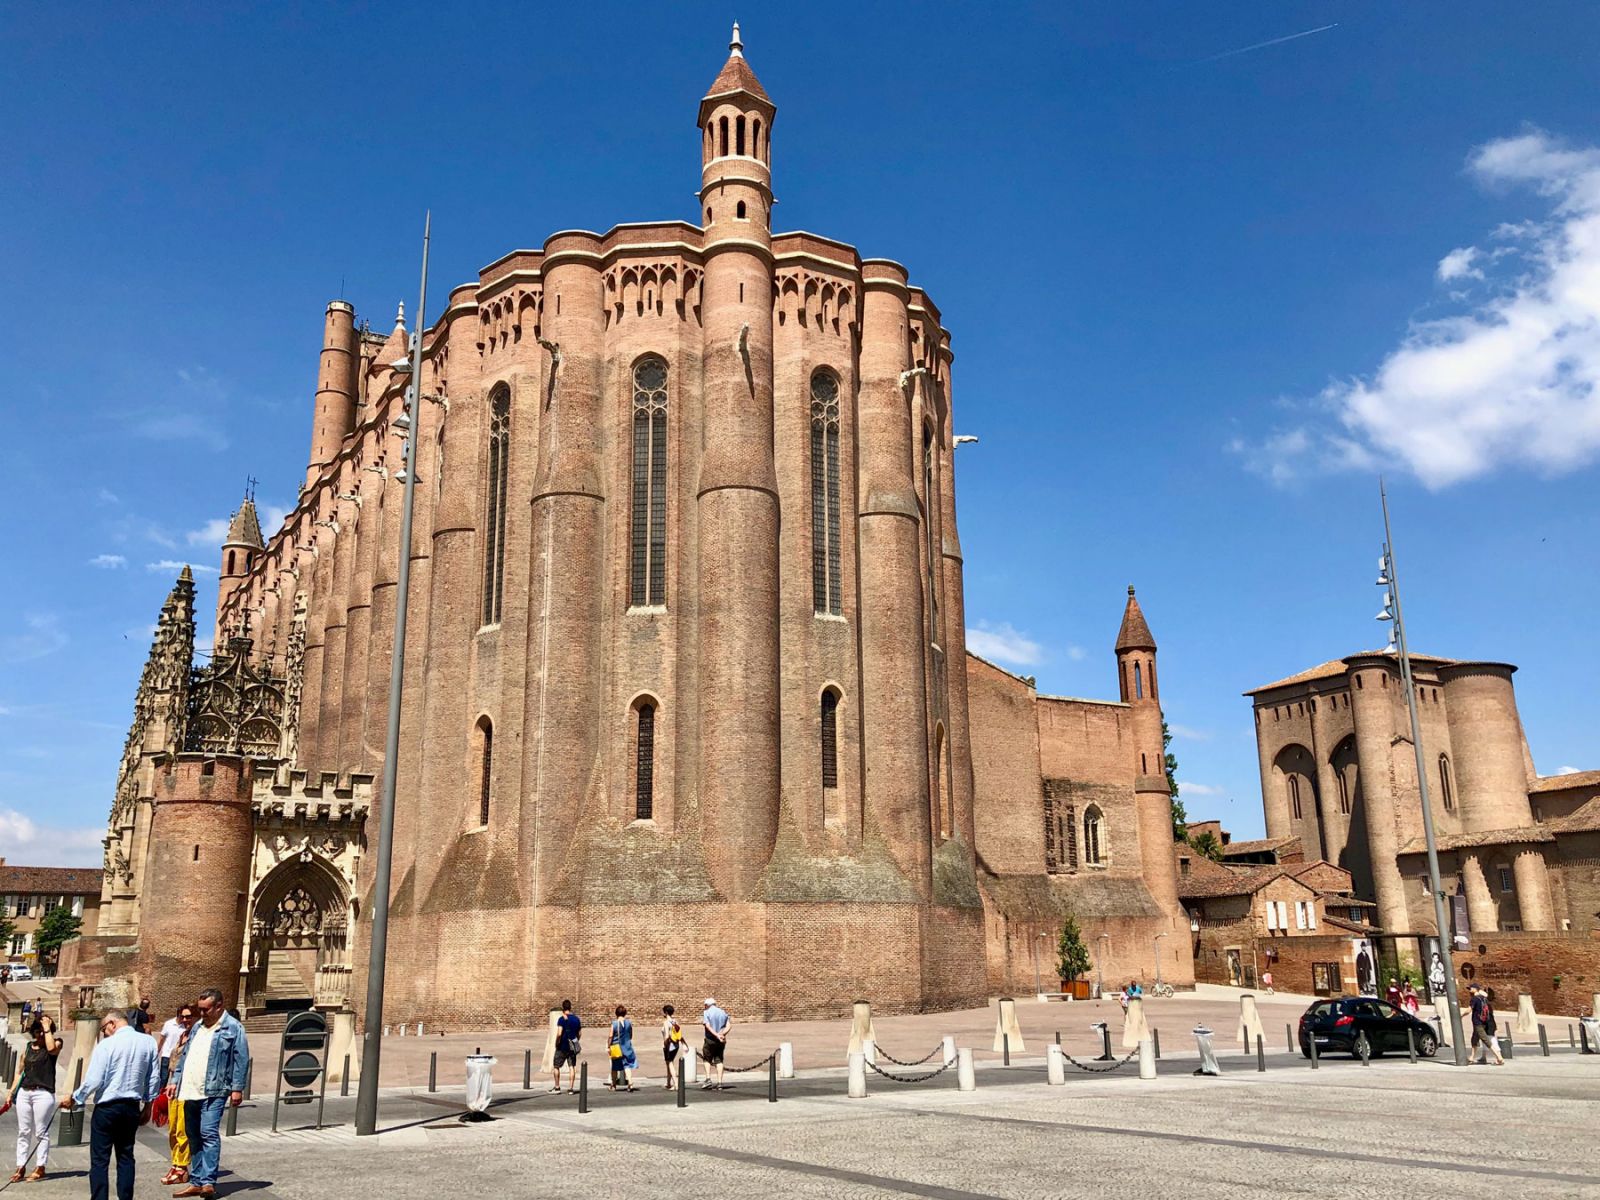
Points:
point(1342, 1130)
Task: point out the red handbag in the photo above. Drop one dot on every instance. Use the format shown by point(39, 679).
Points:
point(158, 1110)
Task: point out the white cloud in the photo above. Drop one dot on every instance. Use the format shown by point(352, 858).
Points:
point(1458, 265)
point(28, 843)
point(40, 635)
point(1569, 770)
point(1198, 789)
point(210, 534)
point(1189, 734)
point(172, 564)
point(1513, 380)
point(107, 496)
point(1077, 653)
point(1003, 644)
point(108, 561)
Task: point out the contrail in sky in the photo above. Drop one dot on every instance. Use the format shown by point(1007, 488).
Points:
point(1274, 42)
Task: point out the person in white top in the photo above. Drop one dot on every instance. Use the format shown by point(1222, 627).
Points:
point(169, 1037)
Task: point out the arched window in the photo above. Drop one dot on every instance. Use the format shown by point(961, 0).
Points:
point(739, 210)
point(485, 767)
point(826, 590)
point(644, 762)
point(494, 509)
point(1138, 682)
point(1344, 792)
point(930, 450)
point(1447, 791)
point(830, 738)
point(755, 136)
point(738, 134)
point(722, 129)
point(648, 575)
point(1294, 796)
point(1093, 832)
point(230, 562)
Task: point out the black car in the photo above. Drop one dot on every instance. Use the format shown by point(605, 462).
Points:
point(1341, 1024)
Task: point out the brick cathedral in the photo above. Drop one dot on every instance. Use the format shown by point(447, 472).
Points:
point(688, 706)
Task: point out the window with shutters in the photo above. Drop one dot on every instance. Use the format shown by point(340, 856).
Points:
point(644, 761)
point(830, 738)
point(485, 768)
point(647, 584)
point(826, 587)
point(1060, 834)
point(494, 510)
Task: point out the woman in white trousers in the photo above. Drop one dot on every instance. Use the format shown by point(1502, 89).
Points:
point(33, 1093)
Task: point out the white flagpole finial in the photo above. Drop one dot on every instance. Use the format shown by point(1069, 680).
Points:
point(400, 316)
point(736, 45)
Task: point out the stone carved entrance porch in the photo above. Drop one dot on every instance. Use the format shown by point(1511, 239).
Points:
point(298, 936)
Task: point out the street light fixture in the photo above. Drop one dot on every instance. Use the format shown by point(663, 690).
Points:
point(1389, 579)
point(372, 1035)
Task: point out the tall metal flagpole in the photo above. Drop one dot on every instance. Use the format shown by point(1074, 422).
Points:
point(1391, 577)
point(372, 1037)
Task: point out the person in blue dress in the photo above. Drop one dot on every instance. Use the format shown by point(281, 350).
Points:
point(623, 1060)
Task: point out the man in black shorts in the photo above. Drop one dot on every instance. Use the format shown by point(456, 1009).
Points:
point(568, 1026)
point(716, 1023)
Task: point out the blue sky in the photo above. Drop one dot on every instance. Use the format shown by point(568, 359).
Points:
point(1201, 294)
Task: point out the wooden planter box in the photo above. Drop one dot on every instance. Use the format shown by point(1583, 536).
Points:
point(1078, 989)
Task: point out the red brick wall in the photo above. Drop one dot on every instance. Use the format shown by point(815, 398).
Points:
point(1512, 963)
point(1007, 786)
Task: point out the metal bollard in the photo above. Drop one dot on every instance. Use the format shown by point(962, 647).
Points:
point(1261, 1053)
point(683, 1095)
point(1058, 1037)
point(231, 1129)
point(1364, 1048)
point(1105, 1041)
point(1571, 1040)
point(1155, 1042)
point(71, 1132)
point(1311, 1040)
point(1147, 1058)
point(1544, 1042)
point(527, 1070)
point(344, 1079)
point(1005, 1049)
point(1411, 1043)
point(433, 1071)
point(772, 1080)
point(1288, 1037)
point(966, 1076)
point(583, 1087)
point(249, 1074)
point(856, 1087)
point(1510, 1052)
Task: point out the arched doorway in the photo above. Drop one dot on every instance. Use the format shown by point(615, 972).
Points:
point(297, 931)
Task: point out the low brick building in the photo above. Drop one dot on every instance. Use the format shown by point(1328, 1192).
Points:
point(28, 893)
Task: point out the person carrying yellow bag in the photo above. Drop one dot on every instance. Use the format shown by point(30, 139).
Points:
point(620, 1047)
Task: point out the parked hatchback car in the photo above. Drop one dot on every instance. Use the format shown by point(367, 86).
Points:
point(1341, 1024)
point(18, 972)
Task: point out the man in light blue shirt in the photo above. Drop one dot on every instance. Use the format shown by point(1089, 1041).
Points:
point(716, 1022)
point(123, 1077)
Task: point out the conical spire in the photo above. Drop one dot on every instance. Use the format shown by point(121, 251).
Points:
point(245, 527)
point(735, 76)
point(1135, 632)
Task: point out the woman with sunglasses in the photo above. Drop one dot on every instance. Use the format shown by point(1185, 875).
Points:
point(33, 1093)
point(177, 1128)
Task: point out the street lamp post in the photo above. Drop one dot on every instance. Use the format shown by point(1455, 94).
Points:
point(1389, 579)
point(372, 1035)
point(1157, 940)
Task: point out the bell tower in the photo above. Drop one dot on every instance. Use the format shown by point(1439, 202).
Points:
point(736, 153)
point(1136, 672)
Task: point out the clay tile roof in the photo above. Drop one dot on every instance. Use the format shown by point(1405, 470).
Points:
point(1135, 632)
point(1522, 835)
point(736, 76)
point(1336, 667)
point(1560, 783)
point(1203, 885)
point(1584, 820)
point(1260, 846)
point(245, 528)
point(1354, 926)
point(50, 881)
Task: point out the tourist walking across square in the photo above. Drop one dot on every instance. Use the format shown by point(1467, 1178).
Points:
point(671, 1044)
point(623, 1059)
point(208, 1074)
point(33, 1093)
point(177, 1129)
point(569, 1027)
point(123, 1078)
point(716, 1022)
point(1483, 1027)
point(171, 1034)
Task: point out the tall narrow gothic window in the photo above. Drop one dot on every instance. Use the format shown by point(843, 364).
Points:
point(1294, 796)
point(830, 739)
point(1447, 792)
point(644, 770)
point(1092, 831)
point(648, 563)
point(1344, 793)
point(494, 513)
point(929, 449)
point(485, 768)
point(825, 583)
point(1138, 682)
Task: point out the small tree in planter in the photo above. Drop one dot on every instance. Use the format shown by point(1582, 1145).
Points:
point(1072, 956)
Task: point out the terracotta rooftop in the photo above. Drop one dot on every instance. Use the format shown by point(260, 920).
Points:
point(245, 527)
point(49, 881)
point(1585, 820)
point(1206, 886)
point(1135, 632)
point(736, 75)
point(1336, 667)
point(1521, 835)
point(1560, 783)
point(1353, 926)
point(1259, 846)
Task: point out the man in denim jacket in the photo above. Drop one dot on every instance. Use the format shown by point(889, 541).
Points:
point(208, 1076)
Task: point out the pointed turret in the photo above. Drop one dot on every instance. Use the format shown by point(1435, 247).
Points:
point(239, 551)
point(736, 152)
point(1135, 632)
